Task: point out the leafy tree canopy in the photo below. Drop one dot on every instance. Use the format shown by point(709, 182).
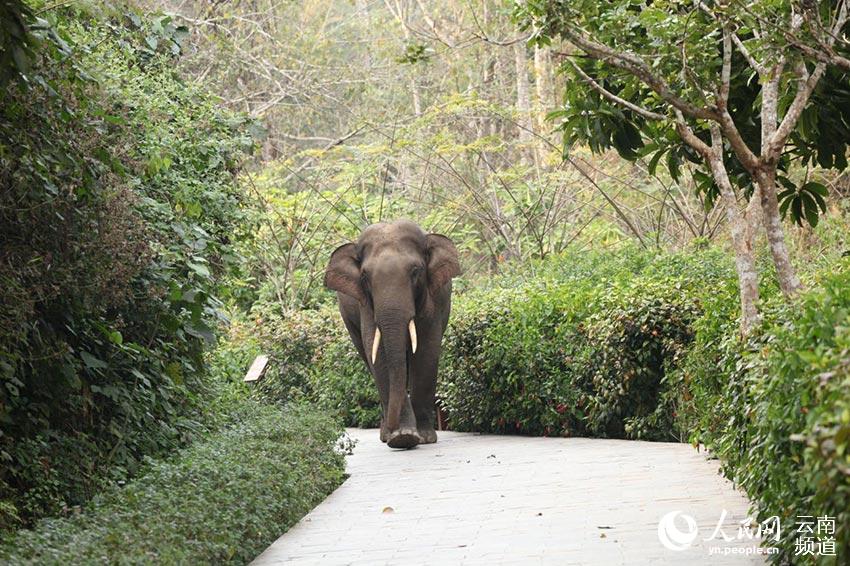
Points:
point(671, 58)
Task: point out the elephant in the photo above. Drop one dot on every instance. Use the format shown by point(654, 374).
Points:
point(394, 288)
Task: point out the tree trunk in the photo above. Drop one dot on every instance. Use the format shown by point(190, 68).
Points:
point(740, 226)
point(765, 178)
point(543, 85)
point(523, 101)
point(742, 244)
point(789, 283)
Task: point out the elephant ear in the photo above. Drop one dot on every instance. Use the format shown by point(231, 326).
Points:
point(343, 272)
point(443, 261)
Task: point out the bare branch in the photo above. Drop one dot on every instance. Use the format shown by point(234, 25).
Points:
point(725, 71)
point(742, 49)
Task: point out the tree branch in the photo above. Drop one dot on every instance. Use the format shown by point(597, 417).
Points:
point(819, 55)
point(757, 67)
point(805, 87)
point(636, 66)
point(613, 97)
point(687, 134)
point(725, 71)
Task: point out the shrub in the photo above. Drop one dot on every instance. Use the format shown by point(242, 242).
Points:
point(220, 501)
point(584, 346)
point(311, 357)
point(777, 409)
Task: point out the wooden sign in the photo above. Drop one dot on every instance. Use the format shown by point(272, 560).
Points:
point(257, 369)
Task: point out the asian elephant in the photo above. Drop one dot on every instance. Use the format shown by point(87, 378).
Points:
point(394, 287)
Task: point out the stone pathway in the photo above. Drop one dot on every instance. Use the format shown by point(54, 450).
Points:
point(480, 499)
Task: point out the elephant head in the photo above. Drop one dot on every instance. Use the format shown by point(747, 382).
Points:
point(394, 272)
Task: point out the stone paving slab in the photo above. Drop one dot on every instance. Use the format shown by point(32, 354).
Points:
point(484, 499)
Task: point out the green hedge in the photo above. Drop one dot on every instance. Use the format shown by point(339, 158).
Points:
point(776, 410)
point(584, 345)
point(221, 501)
point(312, 358)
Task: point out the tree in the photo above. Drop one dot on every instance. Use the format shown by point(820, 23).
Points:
point(731, 86)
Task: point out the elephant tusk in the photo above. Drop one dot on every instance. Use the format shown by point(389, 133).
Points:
point(375, 344)
point(412, 328)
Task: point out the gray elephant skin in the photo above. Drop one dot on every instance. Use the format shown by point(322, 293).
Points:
point(394, 287)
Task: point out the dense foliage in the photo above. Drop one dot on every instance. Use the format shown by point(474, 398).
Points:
point(118, 207)
point(776, 410)
point(219, 502)
point(586, 347)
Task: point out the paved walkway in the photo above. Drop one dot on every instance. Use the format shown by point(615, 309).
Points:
point(480, 499)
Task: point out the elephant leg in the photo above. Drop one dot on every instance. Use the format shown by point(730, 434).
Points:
point(423, 384)
point(406, 436)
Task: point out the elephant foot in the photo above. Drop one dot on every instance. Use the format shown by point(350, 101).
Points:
point(403, 438)
point(428, 436)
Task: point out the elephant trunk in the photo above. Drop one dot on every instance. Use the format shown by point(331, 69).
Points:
point(391, 353)
point(393, 350)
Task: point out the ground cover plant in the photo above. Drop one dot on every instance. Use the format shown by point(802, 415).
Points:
point(220, 501)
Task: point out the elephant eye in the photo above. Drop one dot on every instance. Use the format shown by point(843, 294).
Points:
point(415, 271)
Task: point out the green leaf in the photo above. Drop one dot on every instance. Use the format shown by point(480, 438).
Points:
point(797, 210)
point(201, 330)
point(820, 200)
point(817, 188)
point(199, 268)
point(653, 163)
point(673, 165)
point(810, 208)
point(92, 362)
point(783, 207)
